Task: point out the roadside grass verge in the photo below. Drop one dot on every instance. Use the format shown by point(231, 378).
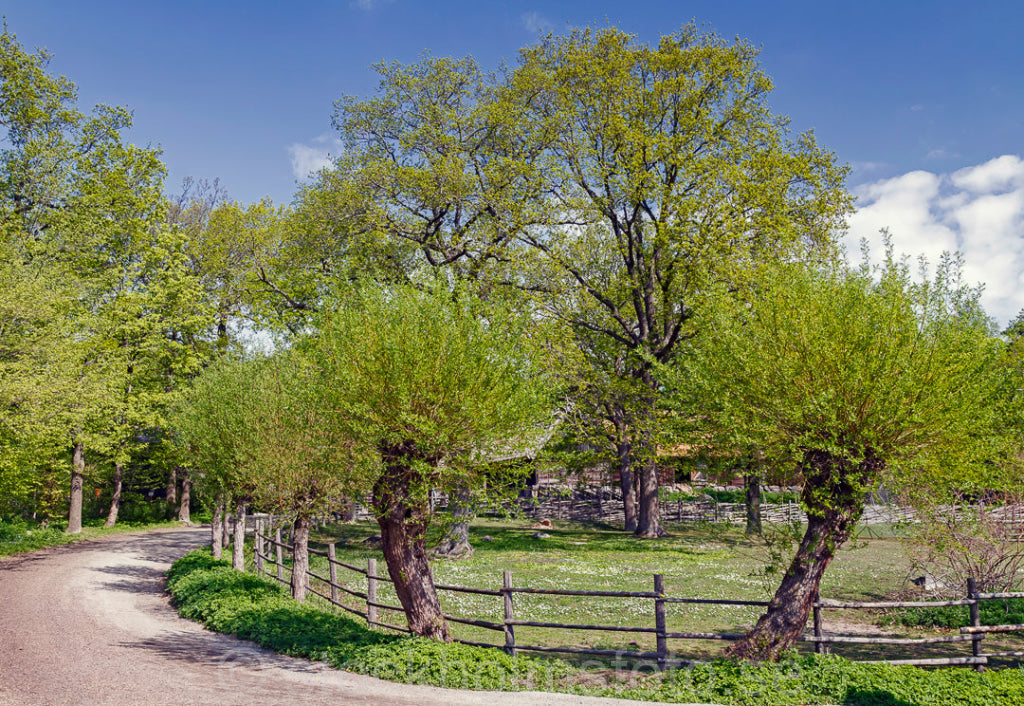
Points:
point(19, 537)
point(256, 609)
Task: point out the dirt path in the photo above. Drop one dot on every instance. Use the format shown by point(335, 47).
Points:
point(89, 623)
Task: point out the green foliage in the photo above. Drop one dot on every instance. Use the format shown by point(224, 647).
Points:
point(852, 363)
point(255, 609)
point(434, 367)
point(817, 679)
point(258, 430)
point(98, 312)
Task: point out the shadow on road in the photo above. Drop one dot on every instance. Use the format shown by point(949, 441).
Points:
point(144, 580)
point(219, 651)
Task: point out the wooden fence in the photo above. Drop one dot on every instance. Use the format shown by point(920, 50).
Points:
point(510, 620)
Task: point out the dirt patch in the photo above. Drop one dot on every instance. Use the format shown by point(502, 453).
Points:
point(89, 623)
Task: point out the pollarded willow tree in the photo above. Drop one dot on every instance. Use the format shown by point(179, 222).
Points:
point(857, 377)
point(432, 381)
point(301, 462)
point(255, 431)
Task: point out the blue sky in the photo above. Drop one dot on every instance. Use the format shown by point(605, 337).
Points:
point(924, 100)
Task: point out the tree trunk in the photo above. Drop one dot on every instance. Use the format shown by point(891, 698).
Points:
point(351, 510)
point(403, 524)
point(649, 515)
point(300, 558)
point(238, 555)
point(455, 544)
point(172, 488)
point(225, 525)
point(753, 487)
point(624, 459)
point(217, 531)
point(77, 479)
point(833, 494)
point(185, 508)
point(115, 499)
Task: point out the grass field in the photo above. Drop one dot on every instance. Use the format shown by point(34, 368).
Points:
point(696, 560)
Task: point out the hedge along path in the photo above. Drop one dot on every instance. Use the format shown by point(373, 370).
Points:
point(103, 602)
point(509, 620)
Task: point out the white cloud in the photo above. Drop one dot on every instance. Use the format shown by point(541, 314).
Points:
point(307, 160)
point(535, 23)
point(978, 211)
point(1006, 172)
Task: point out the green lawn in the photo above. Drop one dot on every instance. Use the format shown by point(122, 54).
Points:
point(697, 561)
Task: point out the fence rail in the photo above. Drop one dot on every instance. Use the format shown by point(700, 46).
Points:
point(974, 633)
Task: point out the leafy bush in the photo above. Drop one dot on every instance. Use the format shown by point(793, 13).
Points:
point(825, 679)
point(256, 609)
point(225, 600)
point(17, 537)
point(1004, 612)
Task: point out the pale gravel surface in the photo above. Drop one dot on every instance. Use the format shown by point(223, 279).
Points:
point(89, 623)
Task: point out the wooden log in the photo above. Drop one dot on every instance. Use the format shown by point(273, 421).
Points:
point(465, 589)
point(510, 632)
point(257, 543)
point(575, 626)
point(477, 644)
point(386, 606)
point(705, 635)
point(934, 662)
point(715, 601)
point(587, 651)
point(371, 592)
point(659, 622)
point(876, 640)
point(991, 628)
point(826, 603)
point(280, 557)
point(1010, 594)
point(819, 645)
point(333, 568)
point(975, 611)
point(478, 623)
point(594, 594)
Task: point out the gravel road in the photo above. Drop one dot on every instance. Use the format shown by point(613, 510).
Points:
point(89, 623)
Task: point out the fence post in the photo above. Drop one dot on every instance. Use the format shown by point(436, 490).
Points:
point(976, 638)
point(659, 622)
point(510, 631)
point(279, 554)
point(819, 647)
point(334, 572)
point(371, 592)
point(257, 545)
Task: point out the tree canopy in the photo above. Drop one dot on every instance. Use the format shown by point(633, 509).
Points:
point(854, 377)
